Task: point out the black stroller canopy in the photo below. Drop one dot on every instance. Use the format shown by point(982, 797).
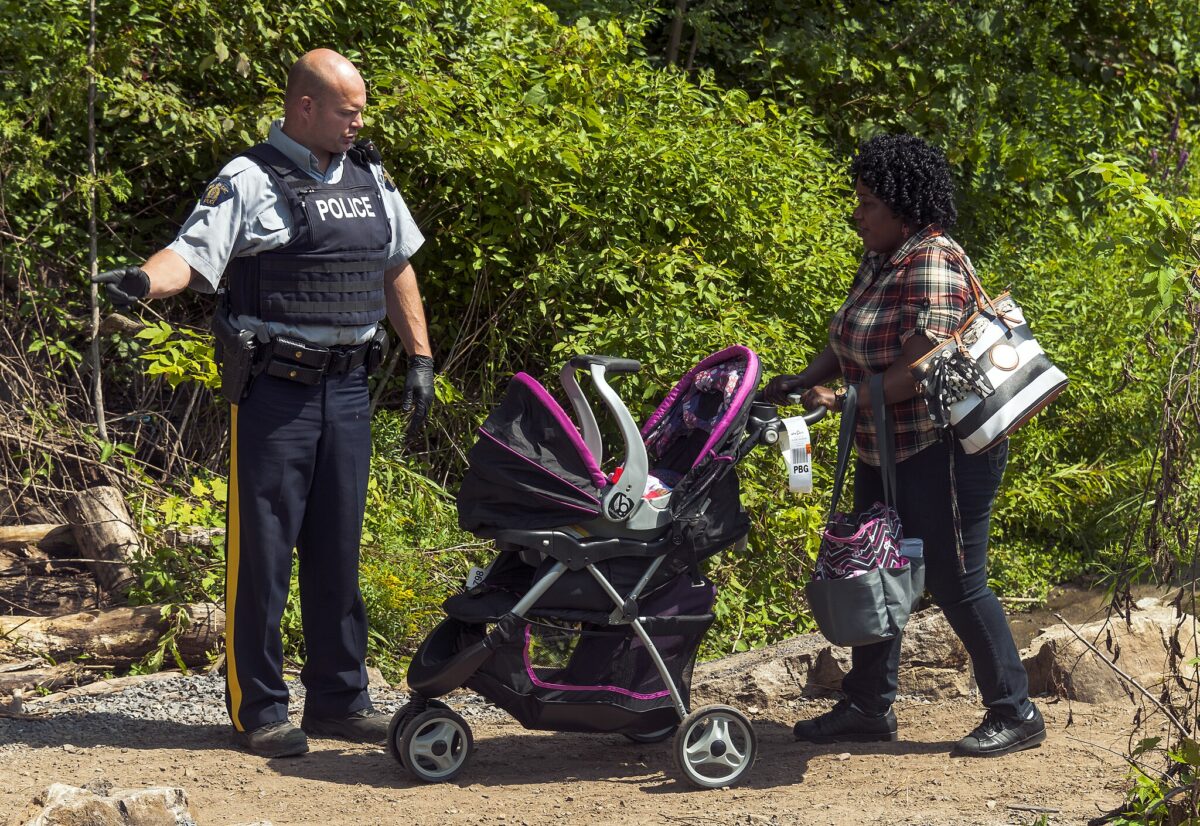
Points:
point(530, 467)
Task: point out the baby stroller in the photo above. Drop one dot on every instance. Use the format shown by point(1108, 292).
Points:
point(590, 616)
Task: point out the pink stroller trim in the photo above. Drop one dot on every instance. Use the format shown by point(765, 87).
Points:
point(563, 687)
point(745, 390)
point(551, 404)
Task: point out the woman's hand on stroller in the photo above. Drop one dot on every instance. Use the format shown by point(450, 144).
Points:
point(783, 386)
point(821, 396)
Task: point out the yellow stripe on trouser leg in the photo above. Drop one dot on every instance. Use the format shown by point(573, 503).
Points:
point(233, 535)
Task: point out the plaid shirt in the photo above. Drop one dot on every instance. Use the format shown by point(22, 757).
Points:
point(920, 288)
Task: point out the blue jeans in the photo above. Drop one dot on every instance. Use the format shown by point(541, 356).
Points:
point(972, 609)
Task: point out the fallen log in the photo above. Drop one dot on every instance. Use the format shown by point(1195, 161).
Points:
point(104, 532)
point(117, 637)
point(28, 594)
point(11, 565)
point(48, 678)
point(53, 539)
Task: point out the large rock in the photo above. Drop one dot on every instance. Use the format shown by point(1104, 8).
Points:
point(762, 679)
point(833, 663)
point(1059, 664)
point(62, 805)
point(930, 642)
point(933, 662)
point(933, 665)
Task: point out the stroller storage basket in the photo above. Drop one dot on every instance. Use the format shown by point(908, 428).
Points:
point(542, 671)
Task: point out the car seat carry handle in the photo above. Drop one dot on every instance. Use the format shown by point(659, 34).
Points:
point(619, 500)
point(612, 364)
point(583, 411)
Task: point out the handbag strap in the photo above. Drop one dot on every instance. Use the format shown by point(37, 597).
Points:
point(845, 441)
point(884, 436)
point(983, 302)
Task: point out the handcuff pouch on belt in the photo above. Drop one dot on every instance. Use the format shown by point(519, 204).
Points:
point(301, 361)
point(241, 357)
point(235, 352)
point(297, 360)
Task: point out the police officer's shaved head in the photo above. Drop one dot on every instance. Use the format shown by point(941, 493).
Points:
point(316, 74)
point(323, 104)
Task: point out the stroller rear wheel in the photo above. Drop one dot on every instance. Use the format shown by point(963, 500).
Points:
point(401, 719)
point(436, 745)
point(715, 746)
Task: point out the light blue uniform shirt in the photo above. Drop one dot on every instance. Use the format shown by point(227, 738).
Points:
point(254, 217)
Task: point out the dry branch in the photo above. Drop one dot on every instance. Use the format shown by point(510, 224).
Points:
point(53, 539)
point(45, 677)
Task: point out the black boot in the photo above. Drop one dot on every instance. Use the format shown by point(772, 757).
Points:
point(844, 723)
point(280, 739)
point(998, 735)
point(367, 725)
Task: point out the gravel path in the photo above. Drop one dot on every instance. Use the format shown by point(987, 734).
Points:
point(174, 708)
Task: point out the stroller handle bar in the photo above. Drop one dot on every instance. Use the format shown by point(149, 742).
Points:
point(765, 424)
point(812, 416)
point(611, 364)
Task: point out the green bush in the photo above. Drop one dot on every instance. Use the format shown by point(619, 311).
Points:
point(576, 196)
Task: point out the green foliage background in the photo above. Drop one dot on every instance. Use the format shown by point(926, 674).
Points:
point(578, 194)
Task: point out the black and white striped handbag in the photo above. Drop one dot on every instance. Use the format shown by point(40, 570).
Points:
point(991, 376)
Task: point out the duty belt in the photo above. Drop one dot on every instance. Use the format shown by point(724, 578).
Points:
point(301, 361)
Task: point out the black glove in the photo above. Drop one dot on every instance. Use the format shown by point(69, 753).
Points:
point(125, 286)
point(418, 393)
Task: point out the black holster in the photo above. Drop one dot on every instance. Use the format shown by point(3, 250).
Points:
point(378, 352)
point(235, 352)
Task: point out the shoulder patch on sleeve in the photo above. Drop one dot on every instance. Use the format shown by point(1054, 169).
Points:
point(217, 192)
point(387, 180)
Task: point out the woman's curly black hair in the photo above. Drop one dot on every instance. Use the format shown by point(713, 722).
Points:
point(910, 176)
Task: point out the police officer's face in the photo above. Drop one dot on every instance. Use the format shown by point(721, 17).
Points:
point(337, 115)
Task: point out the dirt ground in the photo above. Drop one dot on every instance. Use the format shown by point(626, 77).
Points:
point(521, 777)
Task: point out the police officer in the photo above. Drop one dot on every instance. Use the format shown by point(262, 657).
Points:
point(314, 241)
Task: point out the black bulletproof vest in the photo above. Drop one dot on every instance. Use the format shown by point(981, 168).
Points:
point(331, 271)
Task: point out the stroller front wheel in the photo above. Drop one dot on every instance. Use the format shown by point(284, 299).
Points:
point(400, 720)
point(436, 745)
point(715, 747)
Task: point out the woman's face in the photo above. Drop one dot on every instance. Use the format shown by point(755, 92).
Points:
point(880, 229)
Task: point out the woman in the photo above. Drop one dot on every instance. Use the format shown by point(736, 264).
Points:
point(911, 291)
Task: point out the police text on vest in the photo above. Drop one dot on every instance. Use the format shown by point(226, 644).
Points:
point(345, 207)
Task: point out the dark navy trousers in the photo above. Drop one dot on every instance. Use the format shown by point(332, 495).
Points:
point(300, 458)
point(970, 606)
